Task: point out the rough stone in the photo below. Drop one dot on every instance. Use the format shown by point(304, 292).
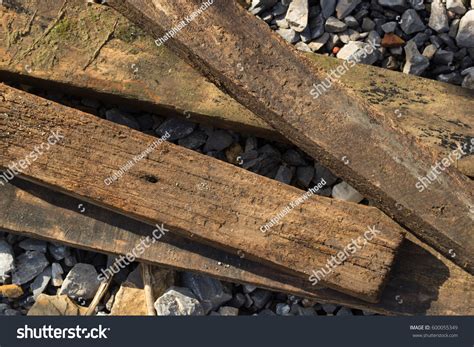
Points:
point(439, 18)
point(41, 282)
point(117, 116)
point(343, 191)
point(193, 141)
point(7, 260)
point(81, 282)
point(360, 52)
point(59, 305)
point(260, 297)
point(129, 301)
point(328, 7)
point(415, 63)
point(345, 7)
point(11, 291)
point(177, 128)
point(209, 291)
point(56, 275)
point(465, 35)
point(29, 265)
point(396, 5)
point(334, 25)
point(304, 175)
point(411, 22)
point(34, 245)
point(318, 43)
point(59, 252)
point(297, 15)
point(284, 174)
point(228, 311)
point(456, 6)
point(289, 35)
point(218, 141)
point(178, 301)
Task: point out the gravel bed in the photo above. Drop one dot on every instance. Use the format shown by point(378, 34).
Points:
point(433, 39)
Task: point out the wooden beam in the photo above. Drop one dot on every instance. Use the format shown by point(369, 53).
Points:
point(339, 129)
point(152, 78)
point(195, 195)
point(421, 283)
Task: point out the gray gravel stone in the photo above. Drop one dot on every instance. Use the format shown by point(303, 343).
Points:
point(411, 22)
point(343, 191)
point(322, 172)
point(328, 7)
point(29, 265)
point(41, 282)
point(177, 128)
point(318, 43)
point(284, 174)
point(193, 141)
point(468, 81)
point(56, 275)
point(178, 301)
point(81, 282)
point(334, 25)
point(118, 116)
point(304, 175)
point(260, 297)
point(33, 245)
point(443, 57)
point(351, 22)
point(317, 26)
point(430, 51)
point(397, 5)
point(209, 291)
point(228, 311)
point(289, 35)
point(283, 309)
point(456, 6)
point(367, 24)
point(344, 311)
point(438, 18)
point(59, 252)
point(417, 4)
point(218, 141)
point(7, 260)
point(329, 308)
point(297, 15)
point(389, 27)
point(465, 36)
point(415, 63)
point(358, 51)
point(293, 157)
point(345, 7)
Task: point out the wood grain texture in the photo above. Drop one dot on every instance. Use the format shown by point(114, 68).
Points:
point(421, 283)
point(131, 70)
point(166, 186)
point(381, 161)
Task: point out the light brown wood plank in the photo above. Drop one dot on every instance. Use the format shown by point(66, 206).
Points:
point(131, 70)
point(339, 129)
point(422, 281)
point(167, 185)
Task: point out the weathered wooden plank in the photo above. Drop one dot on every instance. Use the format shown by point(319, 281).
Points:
point(195, 195)
point(132, 70)
point(422, 282)
point(339, 129)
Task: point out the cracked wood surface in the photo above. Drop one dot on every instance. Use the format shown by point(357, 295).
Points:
point(130, 69)
point(165, 187)
point(383, 162)
point(422, 282)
